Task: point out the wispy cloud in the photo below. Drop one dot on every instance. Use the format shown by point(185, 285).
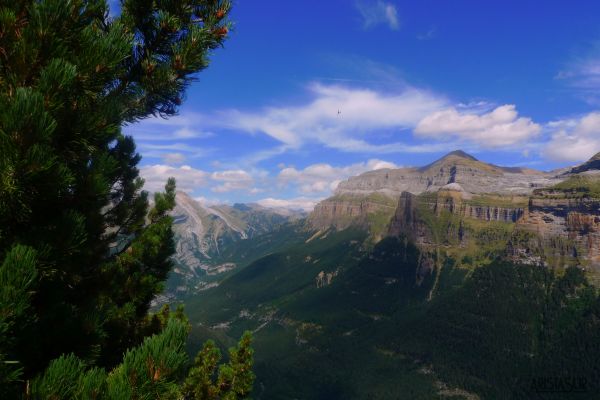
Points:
point(378, 12)
point(174, 158)
point(173, 140)
point(582, 75)
point(341, 117)
point(173, 153)
point(427, 35)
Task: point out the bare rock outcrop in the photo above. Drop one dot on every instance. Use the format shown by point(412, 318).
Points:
point(558, 230)
point(457, 174)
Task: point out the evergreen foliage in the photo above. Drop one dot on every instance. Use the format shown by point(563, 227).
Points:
point(152, 370)
point(230, 381)
point(82, 253)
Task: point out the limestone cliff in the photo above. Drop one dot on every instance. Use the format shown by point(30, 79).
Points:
point(559, 228)
point(372, 212)
point(377, 192)
point(473, 212)
point(452, 216)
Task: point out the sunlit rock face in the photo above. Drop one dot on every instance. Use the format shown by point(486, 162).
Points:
point(558, 230)
point(458, 167)
point(440, 205)
point(201, 231)
point(457, 175)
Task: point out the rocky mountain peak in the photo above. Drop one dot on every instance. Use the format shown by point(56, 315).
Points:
point(460, 153)
point(473, 175)
point(460, 158)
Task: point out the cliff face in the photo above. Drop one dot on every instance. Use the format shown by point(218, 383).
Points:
point(354, 201)
point(443, 217)
point(559, 229)
point(342, 211)
point(465, 209)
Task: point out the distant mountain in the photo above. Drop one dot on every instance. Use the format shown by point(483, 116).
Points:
point(206, 238)
point(459, 167)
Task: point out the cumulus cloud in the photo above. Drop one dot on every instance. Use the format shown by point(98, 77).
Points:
point(188, 178)
point(574, 139)
point(231, 180)
point(363, 113)
point(378, 12)
point(298, 203)
point(324, 178)
point(497, 128)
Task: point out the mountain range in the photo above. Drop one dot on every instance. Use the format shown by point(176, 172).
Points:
point(459, 279)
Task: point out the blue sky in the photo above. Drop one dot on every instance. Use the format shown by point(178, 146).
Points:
point(511, 82)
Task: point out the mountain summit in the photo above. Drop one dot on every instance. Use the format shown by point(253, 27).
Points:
point(460, 153)
point(459, 157)
point(473, 175)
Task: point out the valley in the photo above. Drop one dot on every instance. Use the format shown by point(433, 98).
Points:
point(460, 279)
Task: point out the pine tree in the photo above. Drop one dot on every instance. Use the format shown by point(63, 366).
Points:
point(152, 370)
point(81, 253)
point(232, 380)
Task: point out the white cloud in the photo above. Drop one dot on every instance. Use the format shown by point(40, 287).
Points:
point(323, 178)
point(497, 128)
point(378, 12)
point(188, 178)
point(231, 180)
point(363, 114)
point(574, 139)
point(298, 203)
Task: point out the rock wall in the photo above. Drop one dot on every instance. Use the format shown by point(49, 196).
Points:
point(409, 216)
point(558, 230)
point(341, 212)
